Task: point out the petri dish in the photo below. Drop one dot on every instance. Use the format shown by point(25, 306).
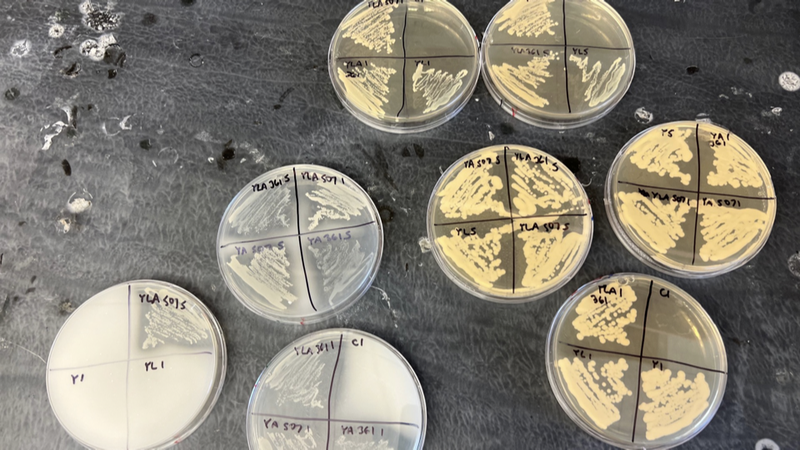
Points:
point(509, 223)
point(138, 366)
point(690, 199)
point(337, 388)
point(300, 243)
point(558, 63)
point(636, 362)
point(404, 66)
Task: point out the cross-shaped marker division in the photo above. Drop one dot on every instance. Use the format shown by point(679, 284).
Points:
point(641, 357)
point(299, 234)
point(415, 57)
point(347, 426)
point(95, 383)
point(565, 46)
point(512, 219)
point(698, 191)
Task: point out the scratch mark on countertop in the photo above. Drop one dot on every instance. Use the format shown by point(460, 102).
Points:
point(4, 344)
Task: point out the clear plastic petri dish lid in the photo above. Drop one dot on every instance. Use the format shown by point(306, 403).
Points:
point(690, 199)
point(509, 224)
point(139, 366)
point(558, 63)
point(636, 362)
point(300, 244)
point(404, 66)
point(337, 388)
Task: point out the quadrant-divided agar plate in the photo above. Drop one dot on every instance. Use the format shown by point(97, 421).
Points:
point(691, 199)
point(137, 366)
point(636, 362)
point(337, 389)
point(300, 243)
point(404, 66)
point(509, 223)
point(558, 63)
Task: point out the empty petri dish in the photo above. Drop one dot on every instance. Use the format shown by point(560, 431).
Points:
point(404, 66)
point(138, 366)
point(337, 388)
point(509, 223)
point(558, 63)
point(636, 362)
point(690, 199)
point(300, 243)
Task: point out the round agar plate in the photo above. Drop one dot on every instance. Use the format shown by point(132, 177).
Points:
point(636, 362)
point(509, 223)
point(690, 199)
point(558, 63)
point(137, 366)
point(404, 66)
point(300, 243)
point(337, 388)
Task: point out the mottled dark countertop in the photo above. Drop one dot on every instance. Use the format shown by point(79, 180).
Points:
point(143, 134)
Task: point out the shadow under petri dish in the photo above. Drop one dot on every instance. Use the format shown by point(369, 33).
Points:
point(139, 365)
point(300, 244)
point(636, 362)
point(509, 224)
point(404, 66)
point(690, 199)
point(558, 63)
point(337, 388)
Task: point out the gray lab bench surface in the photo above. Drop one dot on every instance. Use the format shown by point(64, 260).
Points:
point(144, 134)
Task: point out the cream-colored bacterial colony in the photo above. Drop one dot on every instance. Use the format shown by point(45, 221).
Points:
point(557, 63)
point(691, 199)
point(636, 362)
point(404, 66)
point(337, 389)
point(509, 224)
point(300, 243)
point(137, 366)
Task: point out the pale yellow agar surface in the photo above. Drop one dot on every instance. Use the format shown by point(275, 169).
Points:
point(517, 252)
point(404, 64)
point(478, 257)
point(527, 19)
point(373, 28)
point(599, 85)
point(694, 215)
point(675, 401)
point(367, 89)
point(597, 342)
point(525, 80)
point(547, 60)
point(597, 396)
point(471, 193)
point(437, 86)
point(606, 321)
